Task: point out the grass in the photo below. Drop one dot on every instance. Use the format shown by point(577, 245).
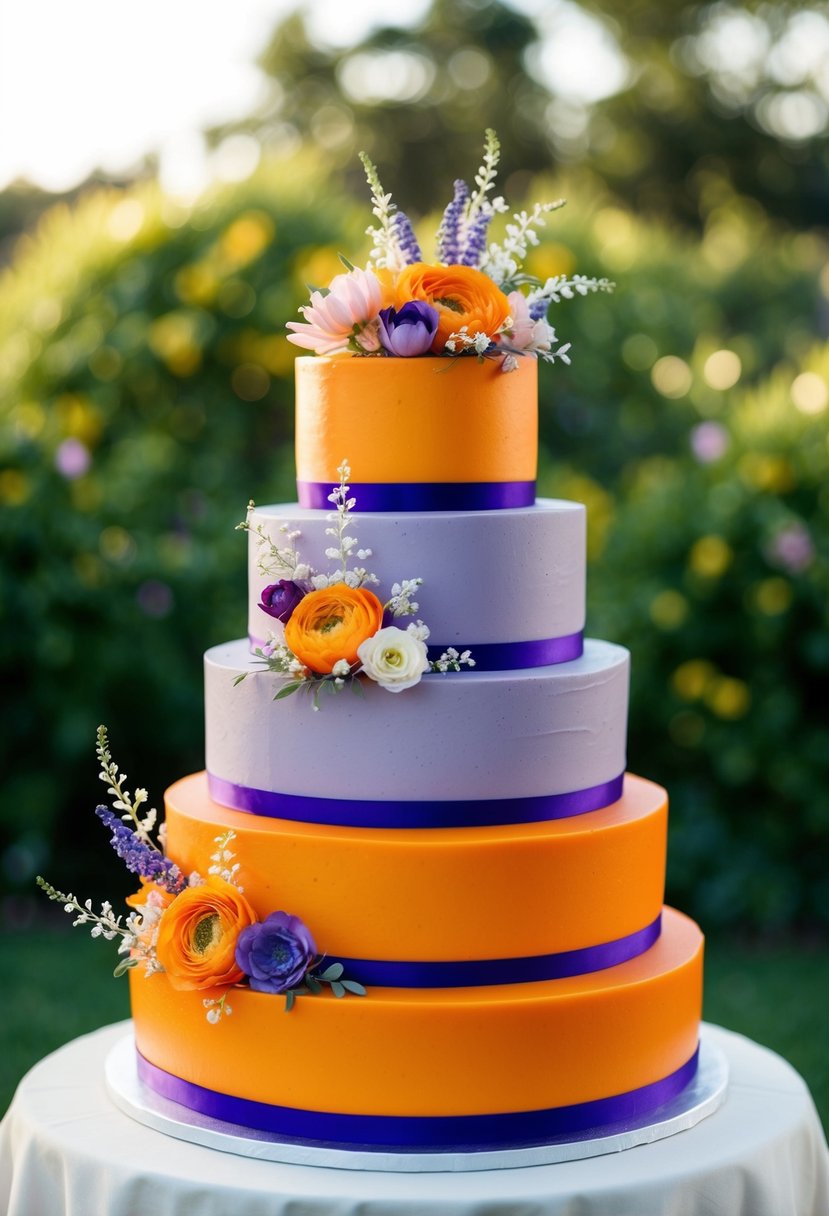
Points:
point(60, 985)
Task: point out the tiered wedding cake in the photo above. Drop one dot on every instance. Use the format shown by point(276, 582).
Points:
point(465, 861)
point(468, 851)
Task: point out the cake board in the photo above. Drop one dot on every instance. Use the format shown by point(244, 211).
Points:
point(702, 1097)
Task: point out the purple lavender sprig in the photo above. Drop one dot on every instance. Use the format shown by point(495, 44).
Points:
point(475, 243)
point(139, 857)
point(406, 239)
point(449, 232)
point(538, 309)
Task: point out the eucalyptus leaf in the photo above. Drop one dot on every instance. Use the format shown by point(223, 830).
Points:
point(313, 984)
point(290, 1000)
point(337, 988)
point(333, 972)
point(354, 986)
point(287, 689)
point(124, 966)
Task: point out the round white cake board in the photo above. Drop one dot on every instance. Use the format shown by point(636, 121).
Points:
point(701, 1098)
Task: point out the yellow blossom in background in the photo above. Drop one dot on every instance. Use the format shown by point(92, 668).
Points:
point(710, 556)
point(692, 679)
point(772, 596)
point(728, 698)
point(669, 609)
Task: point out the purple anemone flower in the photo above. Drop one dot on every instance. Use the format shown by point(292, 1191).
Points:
point(409, 330)
point(280, 599)
point(276, 953)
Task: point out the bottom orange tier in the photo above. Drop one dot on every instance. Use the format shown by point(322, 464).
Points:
point(434, 1053)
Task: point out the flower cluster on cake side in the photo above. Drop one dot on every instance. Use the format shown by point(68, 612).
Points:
point(199, 930)
point(473, 300)
point(335, 629)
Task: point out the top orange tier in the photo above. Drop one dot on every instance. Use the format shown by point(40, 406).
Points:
point(421, 420)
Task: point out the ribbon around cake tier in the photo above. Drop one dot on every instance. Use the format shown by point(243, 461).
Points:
point(505, 656)
point(424, 496)
point(473, 973)
point(435, 813)
point(419, 1133)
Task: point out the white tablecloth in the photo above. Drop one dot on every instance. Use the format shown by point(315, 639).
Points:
point(65, 1150)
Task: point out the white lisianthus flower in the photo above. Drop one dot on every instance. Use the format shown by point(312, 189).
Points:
point(394, 658)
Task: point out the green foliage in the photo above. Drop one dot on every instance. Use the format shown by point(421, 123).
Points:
point(147, 341)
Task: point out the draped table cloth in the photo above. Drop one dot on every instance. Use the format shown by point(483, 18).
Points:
point(66, 1150)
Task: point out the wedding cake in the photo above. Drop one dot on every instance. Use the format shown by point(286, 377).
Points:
point(468, 851)
point(414, 902)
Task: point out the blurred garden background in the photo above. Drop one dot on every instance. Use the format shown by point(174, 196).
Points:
point(146, 394)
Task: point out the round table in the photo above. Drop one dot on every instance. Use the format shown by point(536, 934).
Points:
point(66, 1150)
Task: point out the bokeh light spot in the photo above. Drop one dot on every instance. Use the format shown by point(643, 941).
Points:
point(722, 370)
point(691, 680)
point(671, 376)
point(669, 609)
point(810, 393)
point(772, 596)
point(250, 382)
point(728, 698)
point(710, 556)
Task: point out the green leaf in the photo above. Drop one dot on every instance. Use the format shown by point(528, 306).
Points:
point(124, 966)
point(313, 984)
point(288, 689)
point(337, 988)
point(353, 986)
point(239, 679)
point(290, 1000)
point(333, 972)
point(348, 265)
point(324, 291)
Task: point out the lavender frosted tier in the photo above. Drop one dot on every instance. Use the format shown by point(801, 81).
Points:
point(535, 733)
point(488, 576)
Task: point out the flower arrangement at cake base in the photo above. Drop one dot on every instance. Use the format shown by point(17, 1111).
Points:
point(200, 931)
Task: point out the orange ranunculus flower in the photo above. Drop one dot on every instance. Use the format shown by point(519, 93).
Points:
point(462, 295)
point(330, 624)
point(150, 893)
point(197, 935)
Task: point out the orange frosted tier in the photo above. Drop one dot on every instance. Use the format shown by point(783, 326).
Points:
point(415, 420)
point(444, 893)
point(457, 1051)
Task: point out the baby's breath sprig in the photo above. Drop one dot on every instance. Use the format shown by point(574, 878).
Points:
point(222, 859)
point(452, 660)
point(559, 288)
point(217, 1008)
point(503, 260)
point(274, 560)
point(401, 602)
point(123, 801)
point(461, 341)
point(346, 546)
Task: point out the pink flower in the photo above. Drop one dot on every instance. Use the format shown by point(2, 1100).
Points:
point(348, 311)
point(524, 336)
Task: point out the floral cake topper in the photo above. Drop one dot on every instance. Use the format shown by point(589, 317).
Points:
point(474, 300)
point(335, 628)
point(199, 930)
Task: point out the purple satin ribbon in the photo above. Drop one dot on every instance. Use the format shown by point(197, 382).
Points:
point(507, 656)
point(515, 656)
point(353, 813)
point(420, 1133)
point(470, 973)
point(424, 495)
